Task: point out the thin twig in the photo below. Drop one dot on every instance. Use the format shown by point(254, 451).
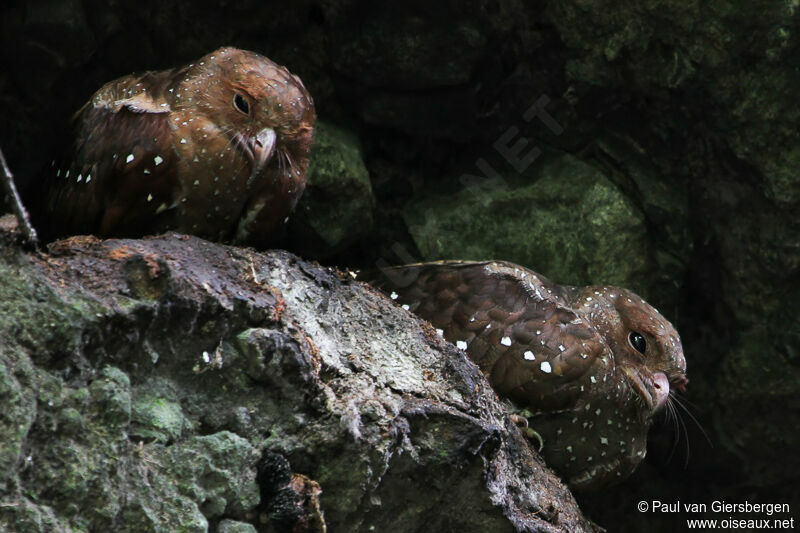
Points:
point(23, 220)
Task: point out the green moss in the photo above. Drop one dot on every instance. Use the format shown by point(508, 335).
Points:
point(343, 478)
point(70, 421)
point(155, 418)
point(16, 416)
point(336, 208)
point(231, 526)
point(31, 518)
point(79, 396)
point(572, 225)
point(111, 394)
point(218, 468)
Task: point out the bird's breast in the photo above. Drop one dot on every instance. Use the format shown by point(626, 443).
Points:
point(213, 186)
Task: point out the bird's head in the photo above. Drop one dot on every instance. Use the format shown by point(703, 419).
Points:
point(647, 349)
point(259, 107)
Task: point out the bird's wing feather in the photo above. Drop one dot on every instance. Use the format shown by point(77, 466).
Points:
point(516, 325)
point(123, 146)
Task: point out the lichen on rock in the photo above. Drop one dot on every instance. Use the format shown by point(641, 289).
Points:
point(215, 388)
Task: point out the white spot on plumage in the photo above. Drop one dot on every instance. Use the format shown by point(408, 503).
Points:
point(405, 306)
point(461, 345)
point(592, 379)
point(529, 356)
point(158, 160)
point(561, 348)
point(546, 368)
point(146, 171)
point(183, 141)
point(149, 197)
point(129, 158)
point(505, 341)
point(393, 296)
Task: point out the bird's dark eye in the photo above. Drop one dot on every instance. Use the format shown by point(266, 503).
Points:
point(240, 103)
point(637, 341)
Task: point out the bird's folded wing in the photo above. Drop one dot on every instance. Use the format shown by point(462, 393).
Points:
point(515, 324)
point(117, 181)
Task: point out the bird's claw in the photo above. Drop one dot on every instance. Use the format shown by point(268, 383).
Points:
point(531, 434)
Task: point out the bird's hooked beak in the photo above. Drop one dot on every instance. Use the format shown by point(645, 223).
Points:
point(261, 147)
point(653, 390)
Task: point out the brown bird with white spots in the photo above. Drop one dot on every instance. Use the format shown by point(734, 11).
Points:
point(591, 365)
point(218, 148)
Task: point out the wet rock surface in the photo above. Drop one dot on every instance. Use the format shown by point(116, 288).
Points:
point(171, 383)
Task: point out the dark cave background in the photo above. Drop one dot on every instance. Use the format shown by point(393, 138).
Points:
point(679, 153)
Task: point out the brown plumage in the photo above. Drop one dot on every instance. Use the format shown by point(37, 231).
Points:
point(218, 148)
point(592, 364)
